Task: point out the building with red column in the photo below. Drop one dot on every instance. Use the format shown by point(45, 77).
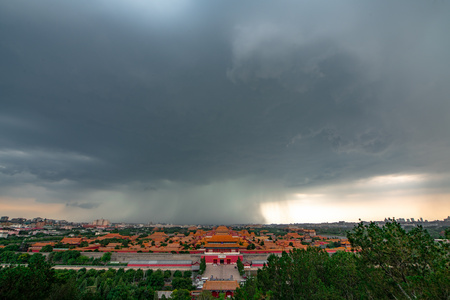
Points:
point(222, 248)
point(216, 287)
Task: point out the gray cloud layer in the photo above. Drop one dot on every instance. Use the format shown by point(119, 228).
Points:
point(197, 111)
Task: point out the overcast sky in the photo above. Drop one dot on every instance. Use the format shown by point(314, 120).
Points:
point(225, 111)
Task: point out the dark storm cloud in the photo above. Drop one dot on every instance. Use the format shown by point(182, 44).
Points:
point(195, 108)
point(83, 205)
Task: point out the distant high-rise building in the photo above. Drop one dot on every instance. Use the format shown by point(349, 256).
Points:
point(4, 219)
point(38, 219)
point(101, 222)
point(18, 220)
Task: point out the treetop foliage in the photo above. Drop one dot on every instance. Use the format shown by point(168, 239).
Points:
point(387, 263)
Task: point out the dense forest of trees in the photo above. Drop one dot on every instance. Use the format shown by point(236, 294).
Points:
point(388, 263)
point(39, 281)
point(69, 257)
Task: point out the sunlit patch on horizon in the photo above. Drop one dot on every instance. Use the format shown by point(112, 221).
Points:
point(29, 207)
point(374, 198)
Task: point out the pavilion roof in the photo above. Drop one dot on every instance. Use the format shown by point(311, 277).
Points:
point(215, 245)
point(72, 241)
point(220, 285)
point(222, 238)
point(113, 236)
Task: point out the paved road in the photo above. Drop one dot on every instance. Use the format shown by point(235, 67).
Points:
point(222, 272)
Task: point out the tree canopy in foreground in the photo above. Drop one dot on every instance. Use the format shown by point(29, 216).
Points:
point(387, 263)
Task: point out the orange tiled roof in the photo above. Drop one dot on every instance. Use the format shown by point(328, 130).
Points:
point(112, 236)
point(42, 244)
point(231, 245)
point(294, 235)
point(244, 233)
point(222, 238)
point(71, 241)
point(222, 230)
point(158, 236)
point(113, 245)
point(173, 246)
point(159, 233)
point(200, 232)
point(270, 245)
point(220, 285)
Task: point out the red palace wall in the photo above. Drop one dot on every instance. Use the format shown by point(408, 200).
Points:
point(261, 251)
point(159, 265)
point(227, 259)
point(258, 265)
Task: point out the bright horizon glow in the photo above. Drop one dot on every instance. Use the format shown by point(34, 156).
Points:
point(323, 210)
point(399, 196)
point(29, 208)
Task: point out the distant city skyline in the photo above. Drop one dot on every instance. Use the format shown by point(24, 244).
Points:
point(107, 222)
point(225, 111)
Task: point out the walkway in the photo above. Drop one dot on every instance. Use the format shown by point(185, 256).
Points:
point(222, 272)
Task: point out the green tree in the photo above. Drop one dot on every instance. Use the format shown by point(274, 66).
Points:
point(156, 280)
point(23, 258)
point(8, 257)
point(301, 274)
point(251, 246)
point(202, 265)
point(32, 282)
point(119, 292)
point(240, 266)
point(187, 274)
point(177, 273)
point(139, 275)
point(250, 290)
point(411, 262)
point(46, 248)
point(180, 294)
point(148, 273)
point(167, 274)
point(66, 291)
point(182, 283)
point(82, 260)
point(130, 275)
point(106, 257)
point(342, 274)
point(207, 295)
point(143, 293)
